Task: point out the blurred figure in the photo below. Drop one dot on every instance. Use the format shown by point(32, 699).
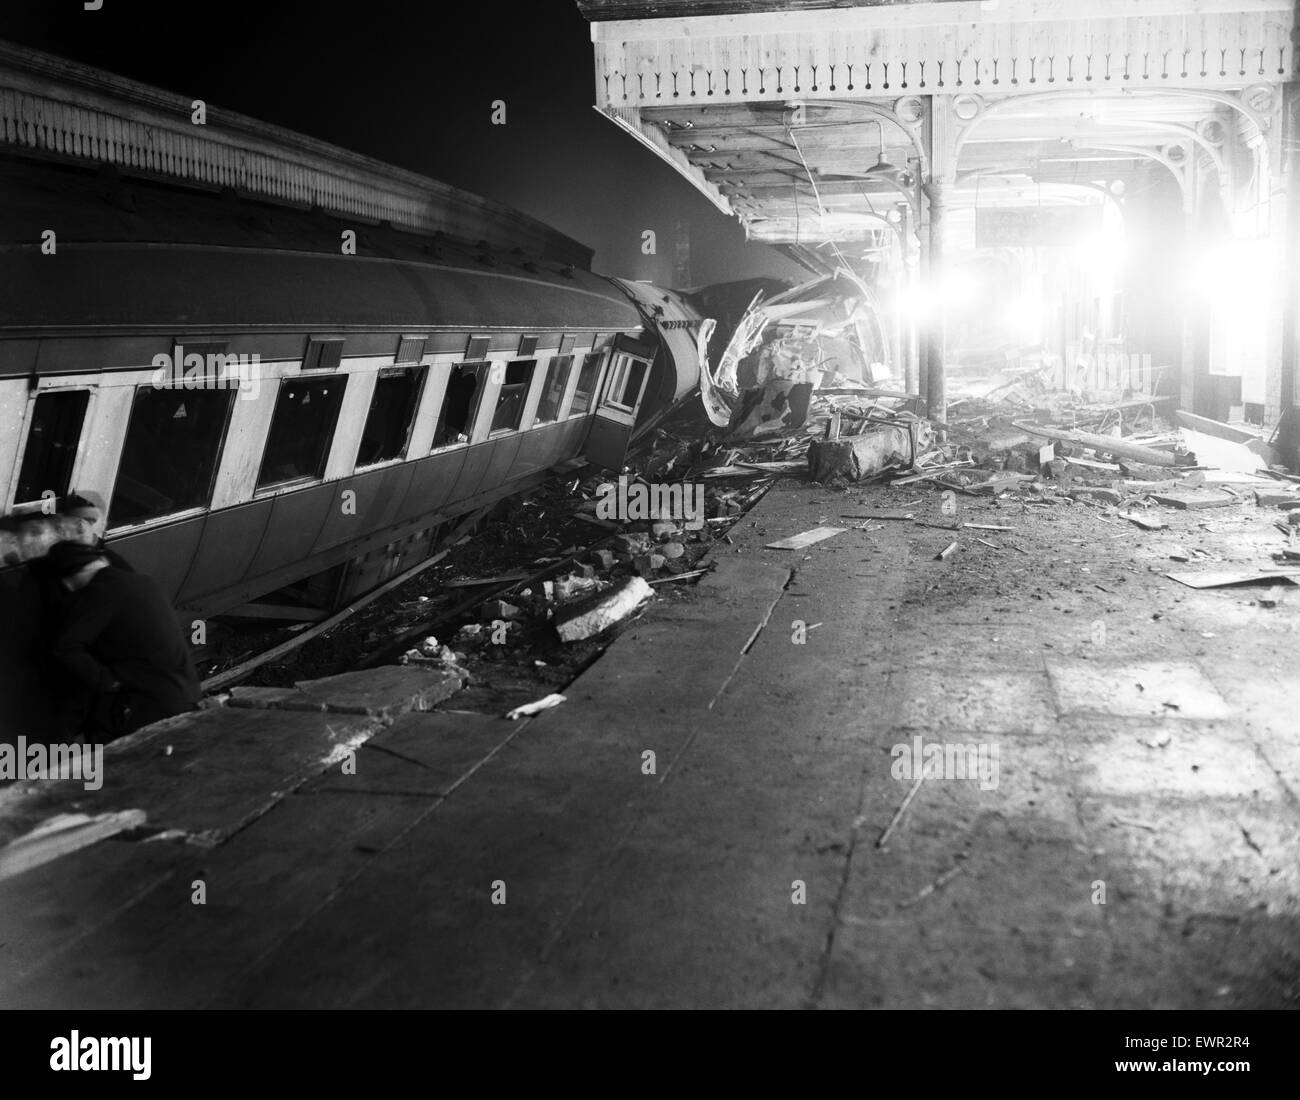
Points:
point(89, 520)
point(120, 640)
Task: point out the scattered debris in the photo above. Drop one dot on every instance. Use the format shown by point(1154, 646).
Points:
point(1271, 598)
point(529, 709)
point(946, 552)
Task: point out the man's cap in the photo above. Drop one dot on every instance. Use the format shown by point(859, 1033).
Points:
point(71, 557)
point(78, 502)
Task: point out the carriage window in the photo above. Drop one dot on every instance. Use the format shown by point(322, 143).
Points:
point(625, 386)
point(587, 382)
point(388, 423)
point(459, 404)
point(52, 444)
point(514, 391)
point(557, 378)
point(301, 429)
point(170, 456)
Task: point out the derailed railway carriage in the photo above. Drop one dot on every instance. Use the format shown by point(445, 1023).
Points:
point(265, 405)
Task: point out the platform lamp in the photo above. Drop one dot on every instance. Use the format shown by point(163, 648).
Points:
point(882, 169)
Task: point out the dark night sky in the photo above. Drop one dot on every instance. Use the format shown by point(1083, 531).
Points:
point(412, 83)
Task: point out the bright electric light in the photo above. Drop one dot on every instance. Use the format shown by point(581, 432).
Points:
point(1236, 275)
point(959, 288)
point(1024, 317)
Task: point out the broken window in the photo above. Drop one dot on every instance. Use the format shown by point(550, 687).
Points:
point(514, 392)
point(169, 459)
point(52, 444)
point(625, 384)
point(587, 381)
point(557, 379)
point(459, 403)
point(392, 411)
point(301, 429)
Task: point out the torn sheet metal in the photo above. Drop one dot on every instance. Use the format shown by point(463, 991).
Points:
point(886, 447)
point(795, 338)
point(777, 407)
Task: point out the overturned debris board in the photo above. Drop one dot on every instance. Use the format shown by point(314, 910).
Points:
point(62, 834)
point(1194, 501)
point(599, 612)
point(1224, 579)
point(805, 538)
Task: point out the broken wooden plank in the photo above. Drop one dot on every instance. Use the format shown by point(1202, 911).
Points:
point(929, 474)
point(788, 466)
point(804, 538)
point(1091, 465)
point(1226, 579)
point(898, 814)
point(1143, 522)
point(987, 527)
point(505, 578)
point(680, 576)
point(732, 471)
point(1101, 443)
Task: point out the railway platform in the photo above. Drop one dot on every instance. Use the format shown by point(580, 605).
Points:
point(845, 776)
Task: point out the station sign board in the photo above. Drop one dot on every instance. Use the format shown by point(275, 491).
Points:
point(1035, 226)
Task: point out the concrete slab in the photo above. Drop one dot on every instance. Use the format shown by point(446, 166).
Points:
point(380, 692)
point(1173, 689)
point(988, 703)
point(1176, 760)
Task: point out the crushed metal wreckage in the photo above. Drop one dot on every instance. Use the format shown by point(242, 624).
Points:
point(783, 348)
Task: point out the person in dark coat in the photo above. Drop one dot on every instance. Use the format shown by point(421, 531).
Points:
point(119, 637)
point(80, 518)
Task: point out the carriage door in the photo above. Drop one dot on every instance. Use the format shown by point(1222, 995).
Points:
point(611, 427)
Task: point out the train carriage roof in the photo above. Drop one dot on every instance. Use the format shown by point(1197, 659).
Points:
point(143, 255)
